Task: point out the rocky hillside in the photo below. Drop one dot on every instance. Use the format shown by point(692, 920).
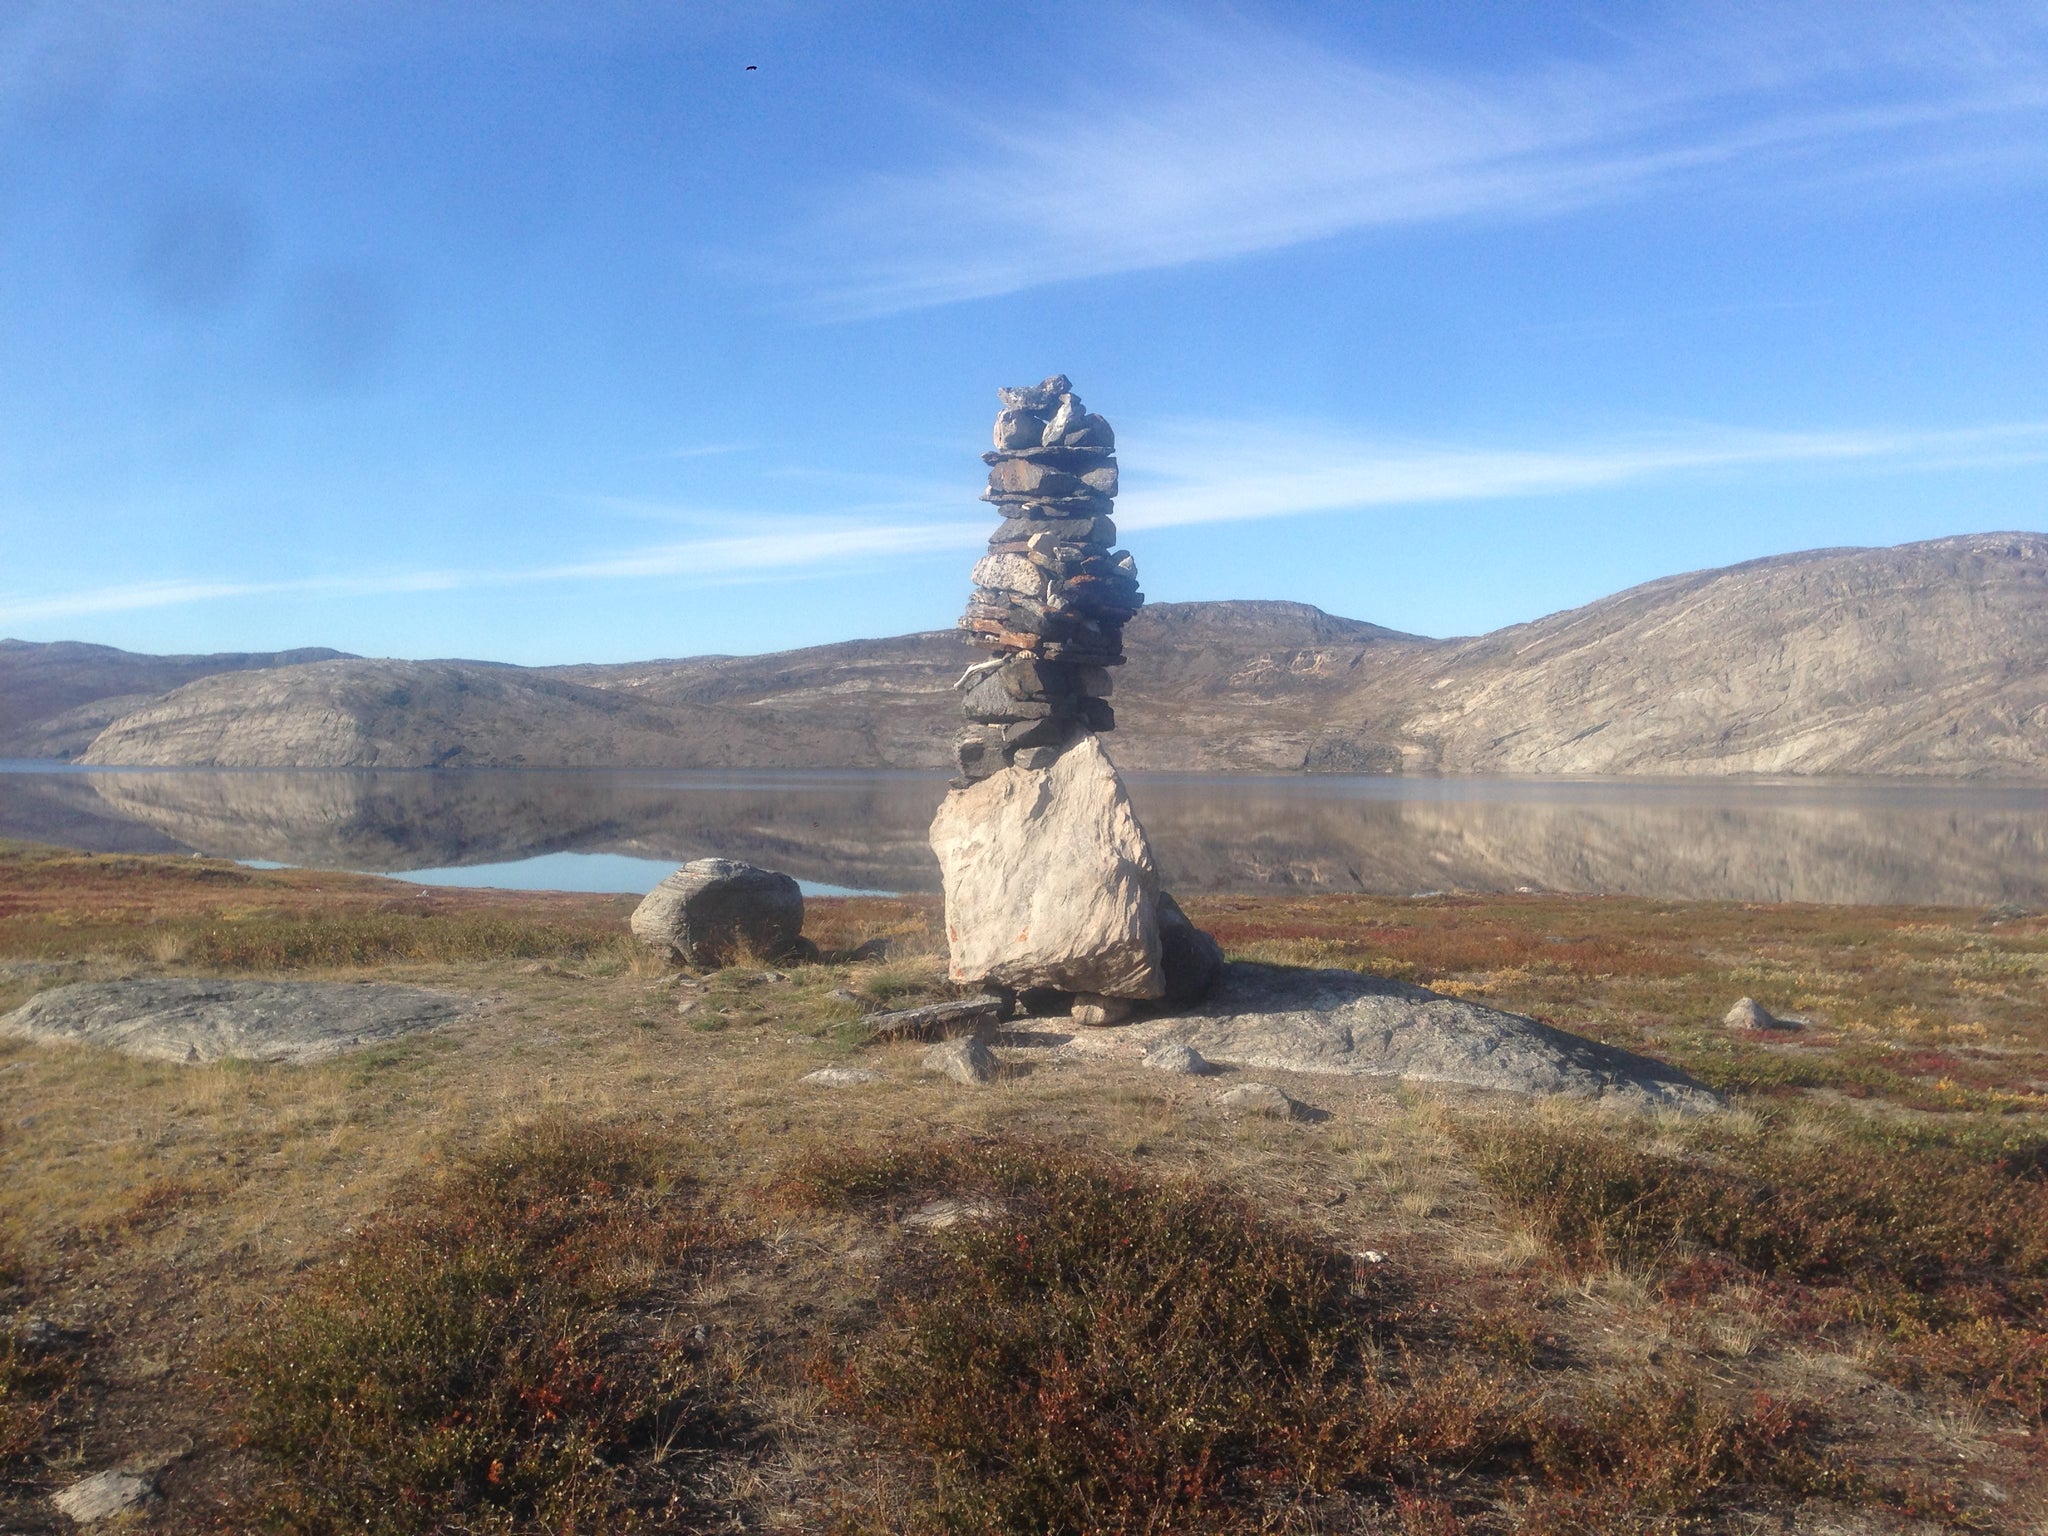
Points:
point(1927, 658)
point(54, 699)
point(1924, 659)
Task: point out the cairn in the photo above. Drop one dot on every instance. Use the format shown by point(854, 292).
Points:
point(1053, 594)
point(1052, 895)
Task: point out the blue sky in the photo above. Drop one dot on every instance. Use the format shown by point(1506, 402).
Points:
point(550, 332)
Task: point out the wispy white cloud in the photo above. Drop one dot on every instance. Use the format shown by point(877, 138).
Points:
point(179, 593)
point(1224, 136)
point(1236, 472)
point(703, 451)
point(792, 547)
point(1231, 472)
point(776, 546)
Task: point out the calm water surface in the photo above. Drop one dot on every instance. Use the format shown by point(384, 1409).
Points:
point(1941, 842)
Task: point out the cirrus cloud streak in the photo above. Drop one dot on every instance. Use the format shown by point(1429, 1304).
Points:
point(1246, 471)
point(1226, 136)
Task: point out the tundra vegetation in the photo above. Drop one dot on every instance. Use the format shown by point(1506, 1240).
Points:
point(594, 1261)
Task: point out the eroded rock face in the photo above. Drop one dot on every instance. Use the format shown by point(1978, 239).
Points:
point(1049, 881)
point(186, 1019)
point(711, 910)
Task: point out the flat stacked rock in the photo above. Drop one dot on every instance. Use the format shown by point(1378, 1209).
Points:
point(1052, 595)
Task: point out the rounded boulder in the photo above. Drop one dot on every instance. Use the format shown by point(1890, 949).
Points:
point(713, 911)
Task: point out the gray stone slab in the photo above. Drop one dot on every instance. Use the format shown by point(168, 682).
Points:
point(103, 1496)
point(965, 1060)
point(937, 1021)
point(186, 1019)
point(1294, 1019)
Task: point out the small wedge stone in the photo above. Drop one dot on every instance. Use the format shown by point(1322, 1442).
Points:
point(1091, 1009)
point(103, 1496)
point(1182, 1060)
point(1748, 1013)
point(1262, 1099)
point(965, 1060)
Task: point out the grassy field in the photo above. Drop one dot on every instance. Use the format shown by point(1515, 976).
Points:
point(594, 1260)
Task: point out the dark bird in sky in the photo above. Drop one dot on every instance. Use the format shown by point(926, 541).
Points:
point(753, 66)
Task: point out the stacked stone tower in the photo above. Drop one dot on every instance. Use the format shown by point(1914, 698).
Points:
point(1051, 889)
point(1052, 595)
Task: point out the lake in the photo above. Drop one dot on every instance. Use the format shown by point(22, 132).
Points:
point(1833, 841)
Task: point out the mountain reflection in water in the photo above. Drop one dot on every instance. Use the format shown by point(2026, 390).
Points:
point(1917, 842)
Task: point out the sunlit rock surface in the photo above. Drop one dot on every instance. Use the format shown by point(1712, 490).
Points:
point(1292, 1019)
point(1049, 881)
point(186, 1019)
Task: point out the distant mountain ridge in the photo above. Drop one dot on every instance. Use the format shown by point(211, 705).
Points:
point(55, 698)
point(1927, 658)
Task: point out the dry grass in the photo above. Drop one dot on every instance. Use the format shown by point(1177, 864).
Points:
point(1676, 1363)
point(502, 1350)
point(1937, 1252)
point(35, 1382)
point(1108, 1353)
point(1104, 1350)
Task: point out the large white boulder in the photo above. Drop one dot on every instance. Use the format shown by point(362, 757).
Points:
point(1049, 881)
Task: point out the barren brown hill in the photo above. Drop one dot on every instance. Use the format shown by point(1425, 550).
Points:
point(1927, 658)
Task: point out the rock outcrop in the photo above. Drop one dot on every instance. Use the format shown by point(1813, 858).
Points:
point(191, 1021)
point(1177, 1059)
point(55, 698)
point(1288, 1019)
point(104, 1496)
point(1263, 1100)
point(713, 910)
point(966, 1059)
